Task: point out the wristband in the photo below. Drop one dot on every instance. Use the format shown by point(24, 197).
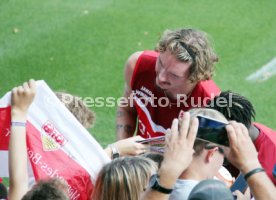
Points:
point(155, 185)
point(23, 124)
point(114, 151)
point(254, 171)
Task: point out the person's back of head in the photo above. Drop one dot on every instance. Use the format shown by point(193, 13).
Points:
point(235, 107)
point(123, 179)
point(210, 190)
point(78, 108)
point(208, 157)
point(200, 145)
point(190, 45)
point(3, 191)
point(52, 189)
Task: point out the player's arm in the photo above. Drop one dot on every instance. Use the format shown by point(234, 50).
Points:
point(126, 115)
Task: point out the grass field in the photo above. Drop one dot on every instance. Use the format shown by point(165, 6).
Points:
point(80, 46)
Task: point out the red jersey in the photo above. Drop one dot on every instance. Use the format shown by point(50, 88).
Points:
point(266, 147)
point(155, 110)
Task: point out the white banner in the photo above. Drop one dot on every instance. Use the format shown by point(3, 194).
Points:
point(58, 145)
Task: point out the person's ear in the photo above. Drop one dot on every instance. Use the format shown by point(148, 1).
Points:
point(211, 153)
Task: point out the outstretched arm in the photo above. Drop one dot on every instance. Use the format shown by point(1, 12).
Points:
point(177, 157)
point(128, 146)
point(22, 98)
point(243, 155)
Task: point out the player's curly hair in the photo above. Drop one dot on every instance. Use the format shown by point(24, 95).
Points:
point(190, 45)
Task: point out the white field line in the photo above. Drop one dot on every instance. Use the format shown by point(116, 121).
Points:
point(263, 74)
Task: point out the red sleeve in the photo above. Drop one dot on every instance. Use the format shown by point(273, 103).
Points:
point(266, 147)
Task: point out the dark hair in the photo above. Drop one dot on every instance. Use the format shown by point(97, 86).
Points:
point(3, 191)
point(156, 157)
point(52, 189)
point(238, 107)
point(199, 145)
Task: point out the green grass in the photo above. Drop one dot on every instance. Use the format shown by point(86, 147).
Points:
point(81, 46)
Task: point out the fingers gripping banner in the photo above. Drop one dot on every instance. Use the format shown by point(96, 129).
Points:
point(57, 144)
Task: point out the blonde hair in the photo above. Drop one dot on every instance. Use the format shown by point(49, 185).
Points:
point(78, 108)
point(207, 112)
point(190, 45)
point(124, 179)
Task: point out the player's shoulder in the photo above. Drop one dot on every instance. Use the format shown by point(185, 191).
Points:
point(147, 54)
point(132, 59)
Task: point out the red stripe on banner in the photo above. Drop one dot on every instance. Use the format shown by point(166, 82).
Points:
point(5, 127)
point(57, 163)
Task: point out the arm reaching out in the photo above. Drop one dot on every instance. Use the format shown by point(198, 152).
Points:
point(177, 157)
point(128, 146)
point(22, 98)
point(243, 155)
